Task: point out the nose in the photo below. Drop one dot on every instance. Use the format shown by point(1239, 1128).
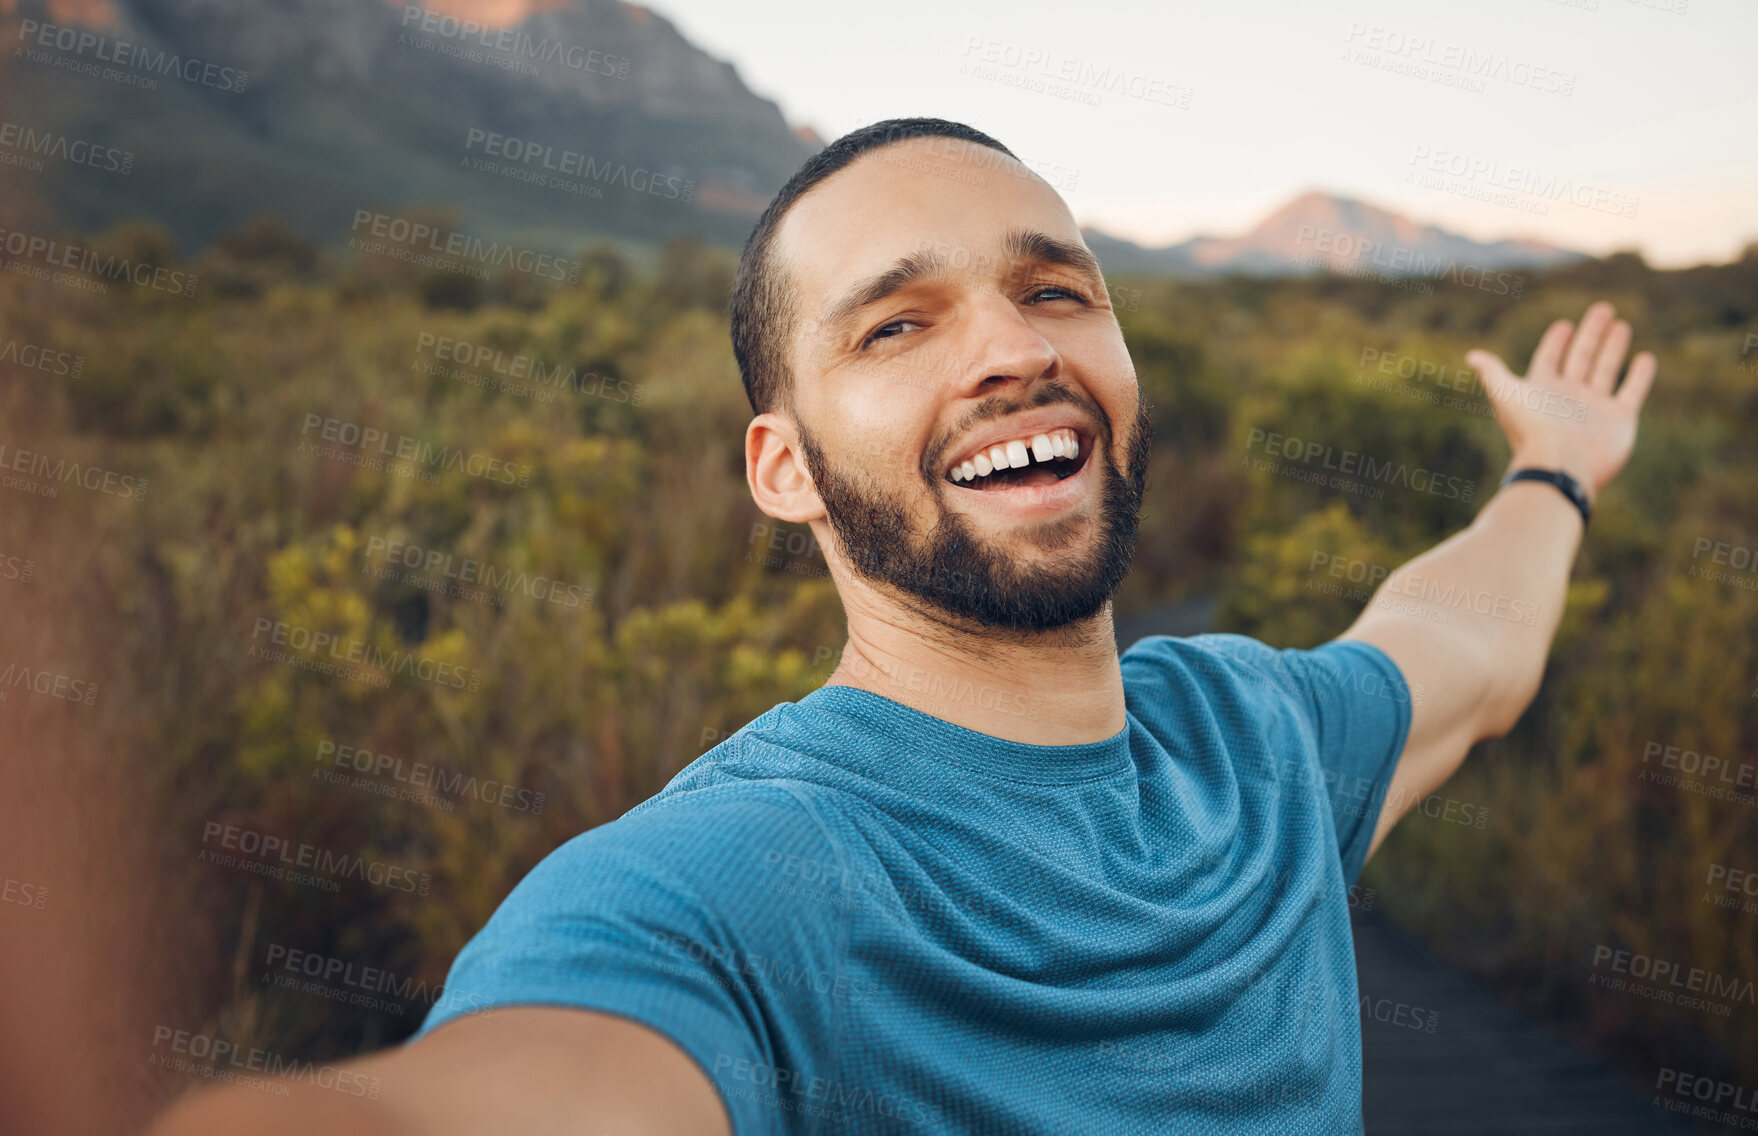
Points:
point(999, 347)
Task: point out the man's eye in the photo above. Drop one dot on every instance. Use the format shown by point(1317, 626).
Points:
point(1066, 293)
point(883, 331)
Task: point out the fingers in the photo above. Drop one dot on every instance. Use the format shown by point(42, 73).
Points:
point(1610, 360)
point(1641, 377)
point(1585, 345)
point(1547, 360)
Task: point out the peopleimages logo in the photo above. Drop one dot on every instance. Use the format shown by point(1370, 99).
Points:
point(29, 247)
point(1339, 245)
point(308, 641)
point(522, 368)
point(1421, 55)
point(428, 565)
point(1086, 80)
point(23, 894)
point(1425, 372)
point(1358, 464)
point(429, 239)
point(1740, 775)
point(217, 1058)
point(106, 50)
point(1712, 1091)
point(516, 44)
point(281, 855)
point(342, 980)
point(378, 445)
point(33, 357)
point(17, 568)
point(1662, 980)
point(34, 464)
point(421, 775)
point(1522, 180)
point(38, 144)
point(574, 163)
point(943, 689)
point(48, 683)
point(821, 1093)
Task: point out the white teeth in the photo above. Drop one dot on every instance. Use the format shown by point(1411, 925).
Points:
point(1018, 453)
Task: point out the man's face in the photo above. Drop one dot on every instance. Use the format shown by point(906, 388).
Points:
point(950, 318)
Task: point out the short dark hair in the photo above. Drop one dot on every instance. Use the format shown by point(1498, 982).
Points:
point(764, 307)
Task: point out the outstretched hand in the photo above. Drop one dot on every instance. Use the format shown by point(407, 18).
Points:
point(1570, 412)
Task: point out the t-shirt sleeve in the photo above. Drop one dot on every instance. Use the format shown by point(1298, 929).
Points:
point(1356, 704)
point(662, 917)
point(1360, 708)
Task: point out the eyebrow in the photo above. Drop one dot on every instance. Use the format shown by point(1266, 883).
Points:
point(1030, 244)
point(1020, 244)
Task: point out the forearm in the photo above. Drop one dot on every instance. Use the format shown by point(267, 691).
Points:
point(513, 1069)
point(1469, 623)
point(1488, 600)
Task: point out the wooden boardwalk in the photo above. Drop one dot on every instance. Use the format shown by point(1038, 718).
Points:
point(1486, 1069)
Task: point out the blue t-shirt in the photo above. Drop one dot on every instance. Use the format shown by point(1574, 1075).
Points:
point(859, 918)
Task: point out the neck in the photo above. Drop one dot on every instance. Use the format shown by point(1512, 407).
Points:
point(1059, 687)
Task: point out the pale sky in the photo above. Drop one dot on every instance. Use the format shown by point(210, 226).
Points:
point(1655, 147)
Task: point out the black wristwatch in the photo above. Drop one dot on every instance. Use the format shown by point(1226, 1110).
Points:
point(1569, 486)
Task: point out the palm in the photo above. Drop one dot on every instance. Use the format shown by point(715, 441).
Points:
point(1570, 411)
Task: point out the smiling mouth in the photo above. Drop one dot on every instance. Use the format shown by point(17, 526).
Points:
point(1042, 460)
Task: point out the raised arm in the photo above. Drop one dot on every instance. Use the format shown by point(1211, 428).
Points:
point(1502, 581)
point(520, 1069)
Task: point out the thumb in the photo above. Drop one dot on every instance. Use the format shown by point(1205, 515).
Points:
point(1497, 379)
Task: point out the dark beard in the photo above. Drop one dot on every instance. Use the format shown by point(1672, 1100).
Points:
point(960, 575)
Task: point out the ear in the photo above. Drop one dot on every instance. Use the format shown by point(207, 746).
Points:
point(775, 469)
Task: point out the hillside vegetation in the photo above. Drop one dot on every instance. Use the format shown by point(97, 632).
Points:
point(545, 586)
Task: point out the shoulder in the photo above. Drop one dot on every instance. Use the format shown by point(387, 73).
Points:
point(1239, 661)
point(1238, 677)
point(1219, 664)
point(707, 838)
point(678, 872)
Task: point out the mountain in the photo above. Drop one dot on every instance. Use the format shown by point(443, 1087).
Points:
point(539, 120)
point(543, 122)
point(1319, 230)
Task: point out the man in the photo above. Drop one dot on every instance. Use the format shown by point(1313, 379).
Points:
point(990, 877)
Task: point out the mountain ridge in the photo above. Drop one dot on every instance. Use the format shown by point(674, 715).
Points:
point(540, 121)
point(1316, 230)
point(372, 104)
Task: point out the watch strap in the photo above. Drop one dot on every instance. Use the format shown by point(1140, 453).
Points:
point(1568, 485)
